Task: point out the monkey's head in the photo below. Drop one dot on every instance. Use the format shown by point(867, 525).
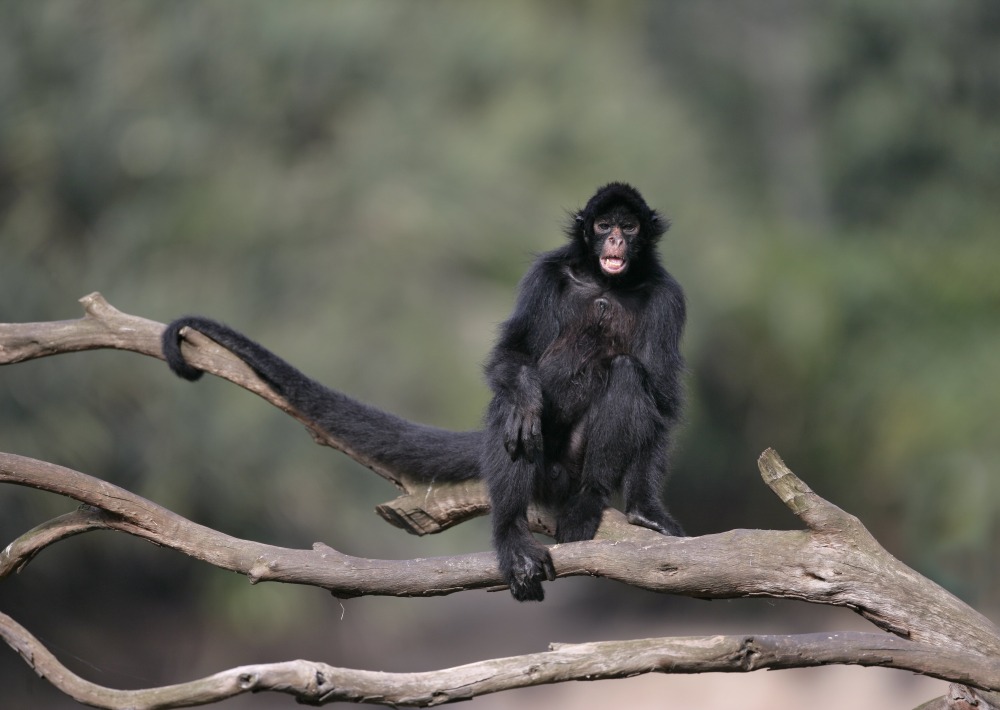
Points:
point(617, 230)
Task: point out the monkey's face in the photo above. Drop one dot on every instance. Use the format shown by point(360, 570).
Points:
point(616, 236)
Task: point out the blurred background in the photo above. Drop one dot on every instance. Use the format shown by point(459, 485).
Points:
point(361, 184)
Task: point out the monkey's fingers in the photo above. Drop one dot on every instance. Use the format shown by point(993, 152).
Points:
point(531, 436)
point(536, 432)
point(522, 436)
point(512, 434)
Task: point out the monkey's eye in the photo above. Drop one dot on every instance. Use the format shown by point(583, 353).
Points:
point(602, 227)
point(630, 229)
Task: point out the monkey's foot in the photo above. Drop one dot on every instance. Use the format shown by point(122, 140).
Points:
point(575, 530)
point(661, 523)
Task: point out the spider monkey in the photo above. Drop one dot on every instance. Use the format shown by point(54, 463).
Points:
point(586, 381)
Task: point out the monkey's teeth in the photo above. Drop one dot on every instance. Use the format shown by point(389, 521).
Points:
point(612, 264)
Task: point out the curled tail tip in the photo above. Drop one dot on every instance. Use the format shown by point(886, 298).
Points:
point(171, 345)
point(185, 371)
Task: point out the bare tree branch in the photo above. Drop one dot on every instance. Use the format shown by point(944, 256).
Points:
point(835, 560)
point(840, 564)
point(102, 326)
point(317, 683)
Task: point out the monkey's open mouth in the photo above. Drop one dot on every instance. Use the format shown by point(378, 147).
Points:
point(613, 264)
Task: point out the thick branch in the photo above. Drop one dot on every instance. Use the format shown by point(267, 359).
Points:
point(109, 507)
point(845, 568)
point(317, 683)
point(869, 579)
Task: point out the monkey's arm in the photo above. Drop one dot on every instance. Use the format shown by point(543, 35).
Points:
point(659, 350)
point(512, 368)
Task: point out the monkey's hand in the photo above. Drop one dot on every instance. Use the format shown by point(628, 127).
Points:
point(524, 569)
point(522, 434)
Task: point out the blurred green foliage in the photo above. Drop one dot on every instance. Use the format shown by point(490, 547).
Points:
point(360, 185)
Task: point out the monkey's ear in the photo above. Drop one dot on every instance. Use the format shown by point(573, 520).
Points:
point(658, 225)
point(579, 226)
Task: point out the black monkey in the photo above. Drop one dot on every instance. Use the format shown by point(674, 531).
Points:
point(586, 381)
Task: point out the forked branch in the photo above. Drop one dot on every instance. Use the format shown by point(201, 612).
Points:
point(834, 560)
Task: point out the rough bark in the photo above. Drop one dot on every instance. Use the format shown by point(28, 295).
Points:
point(833, 560)
point(315, 683)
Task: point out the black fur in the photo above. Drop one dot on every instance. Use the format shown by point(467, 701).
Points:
point(586, 382)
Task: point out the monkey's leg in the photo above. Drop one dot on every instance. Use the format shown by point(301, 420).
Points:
point(628, 444)
point(523, 562)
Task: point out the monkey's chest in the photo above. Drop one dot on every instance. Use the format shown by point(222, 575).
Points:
point(597, 327)
point(592, 332)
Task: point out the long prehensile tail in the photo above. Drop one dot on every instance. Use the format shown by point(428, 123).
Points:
point(423, 452)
